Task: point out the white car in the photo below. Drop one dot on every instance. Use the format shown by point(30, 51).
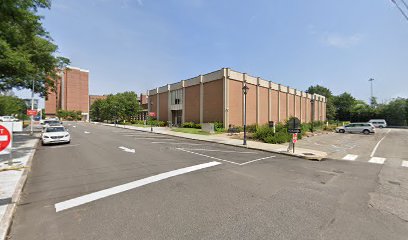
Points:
point(380, 123)
point(51, 123)
point(55, 134)
point(365, 128)
point(8, 119)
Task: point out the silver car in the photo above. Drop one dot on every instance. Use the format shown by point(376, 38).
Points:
point(365, 128)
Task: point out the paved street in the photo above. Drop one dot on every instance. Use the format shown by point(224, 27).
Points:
point(112, 183)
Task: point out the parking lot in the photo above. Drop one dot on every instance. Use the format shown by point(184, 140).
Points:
point(112, 183)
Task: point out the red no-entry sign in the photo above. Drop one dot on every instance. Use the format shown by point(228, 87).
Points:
point(5, 138)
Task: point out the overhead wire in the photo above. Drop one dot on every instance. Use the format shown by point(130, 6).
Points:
point(400, 9)
point(405, 4)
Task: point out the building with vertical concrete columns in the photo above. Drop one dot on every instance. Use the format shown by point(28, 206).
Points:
point(218, 97)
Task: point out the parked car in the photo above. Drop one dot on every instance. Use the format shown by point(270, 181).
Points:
point(8, 119)
point(365, 128)
point(55, 134)
point(380, 123)
point(49, 123)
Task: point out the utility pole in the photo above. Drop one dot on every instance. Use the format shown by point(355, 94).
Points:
point(32, 108)
point(371, 84)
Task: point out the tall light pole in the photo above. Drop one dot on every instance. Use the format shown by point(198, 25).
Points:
point(371, 85)
point(245, 91)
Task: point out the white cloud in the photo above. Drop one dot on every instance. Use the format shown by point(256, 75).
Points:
point(342, 41)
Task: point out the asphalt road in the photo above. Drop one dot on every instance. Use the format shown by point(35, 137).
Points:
point(174, 188)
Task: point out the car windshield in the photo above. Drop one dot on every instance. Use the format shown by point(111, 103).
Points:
point(55, 129)
point(52, 122)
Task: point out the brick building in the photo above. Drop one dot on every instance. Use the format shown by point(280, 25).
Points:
point(71, 93)
point(218, 97)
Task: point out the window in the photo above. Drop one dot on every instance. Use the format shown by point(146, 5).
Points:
point(176, 97)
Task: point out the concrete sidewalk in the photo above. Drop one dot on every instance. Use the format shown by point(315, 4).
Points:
point(13, 176)
point(222, 139)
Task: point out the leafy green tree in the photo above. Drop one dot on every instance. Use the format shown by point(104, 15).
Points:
point(27, 52)
point(395, 112)
point(120, 107)
point(10, 105)
point(344, 104)
point(330, 108)
point(362, 112)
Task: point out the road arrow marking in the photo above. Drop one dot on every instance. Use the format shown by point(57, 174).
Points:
point(377, 160)
point(128, 186)
point(87, 132)
point(404, 163)
point(350, 157)
point(127, 149)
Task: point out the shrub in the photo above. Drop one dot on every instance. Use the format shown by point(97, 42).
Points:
point(219, 127)
point(191, 125)
point(252, 128)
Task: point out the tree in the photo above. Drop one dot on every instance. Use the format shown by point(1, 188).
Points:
point(330, 108)
point(10, 105)
point(362, 112)
point(27, 52)
point(343, 105)
point(120, 107)
point(395, 112)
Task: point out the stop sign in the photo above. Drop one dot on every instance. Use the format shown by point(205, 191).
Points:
point(5, 138)
point(294, 138)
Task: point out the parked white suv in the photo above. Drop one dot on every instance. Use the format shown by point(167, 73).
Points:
point(8, 119)
point(365, 128)
point(380, 123)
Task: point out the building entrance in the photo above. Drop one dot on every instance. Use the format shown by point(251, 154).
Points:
point(176, 117)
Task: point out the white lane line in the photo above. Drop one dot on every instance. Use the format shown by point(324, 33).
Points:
point(377, 160)
point(128, 186)
point(259, 159)
point(87, 132)
point(404, 163)
point(71, 145)
point(350, 157)
point(213, 150)
point(127, 149)
point(378, 144)
point(191, 144)
point(150, 138)
point(203, 155)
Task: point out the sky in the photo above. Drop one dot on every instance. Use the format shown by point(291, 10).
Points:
point(137, 45)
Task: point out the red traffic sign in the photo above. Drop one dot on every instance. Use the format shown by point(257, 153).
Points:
point(31, 112)
point(5, 138)
point(152, 114)
point(294, 138)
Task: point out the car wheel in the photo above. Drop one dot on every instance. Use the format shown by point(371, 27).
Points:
point(366, 131)
point(342, 131)
point(42, 143)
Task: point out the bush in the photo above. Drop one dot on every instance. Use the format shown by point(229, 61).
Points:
point(191, 125)
point(252, 128)
point(219, 127)
point(156, 123)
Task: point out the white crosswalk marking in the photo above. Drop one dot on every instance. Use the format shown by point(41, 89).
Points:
point(377, 160)
point(404, 163)
point(350, 157)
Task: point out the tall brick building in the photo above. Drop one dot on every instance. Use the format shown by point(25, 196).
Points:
point(71, 93)
point(218, 97)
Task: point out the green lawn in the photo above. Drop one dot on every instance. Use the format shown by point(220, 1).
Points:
point(190, 130)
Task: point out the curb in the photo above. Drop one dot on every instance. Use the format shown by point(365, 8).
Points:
point(307, 157)
point(6, 221)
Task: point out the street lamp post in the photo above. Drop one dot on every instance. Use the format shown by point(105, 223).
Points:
point(312, 101)
point(245, 91)
point(371, 86)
